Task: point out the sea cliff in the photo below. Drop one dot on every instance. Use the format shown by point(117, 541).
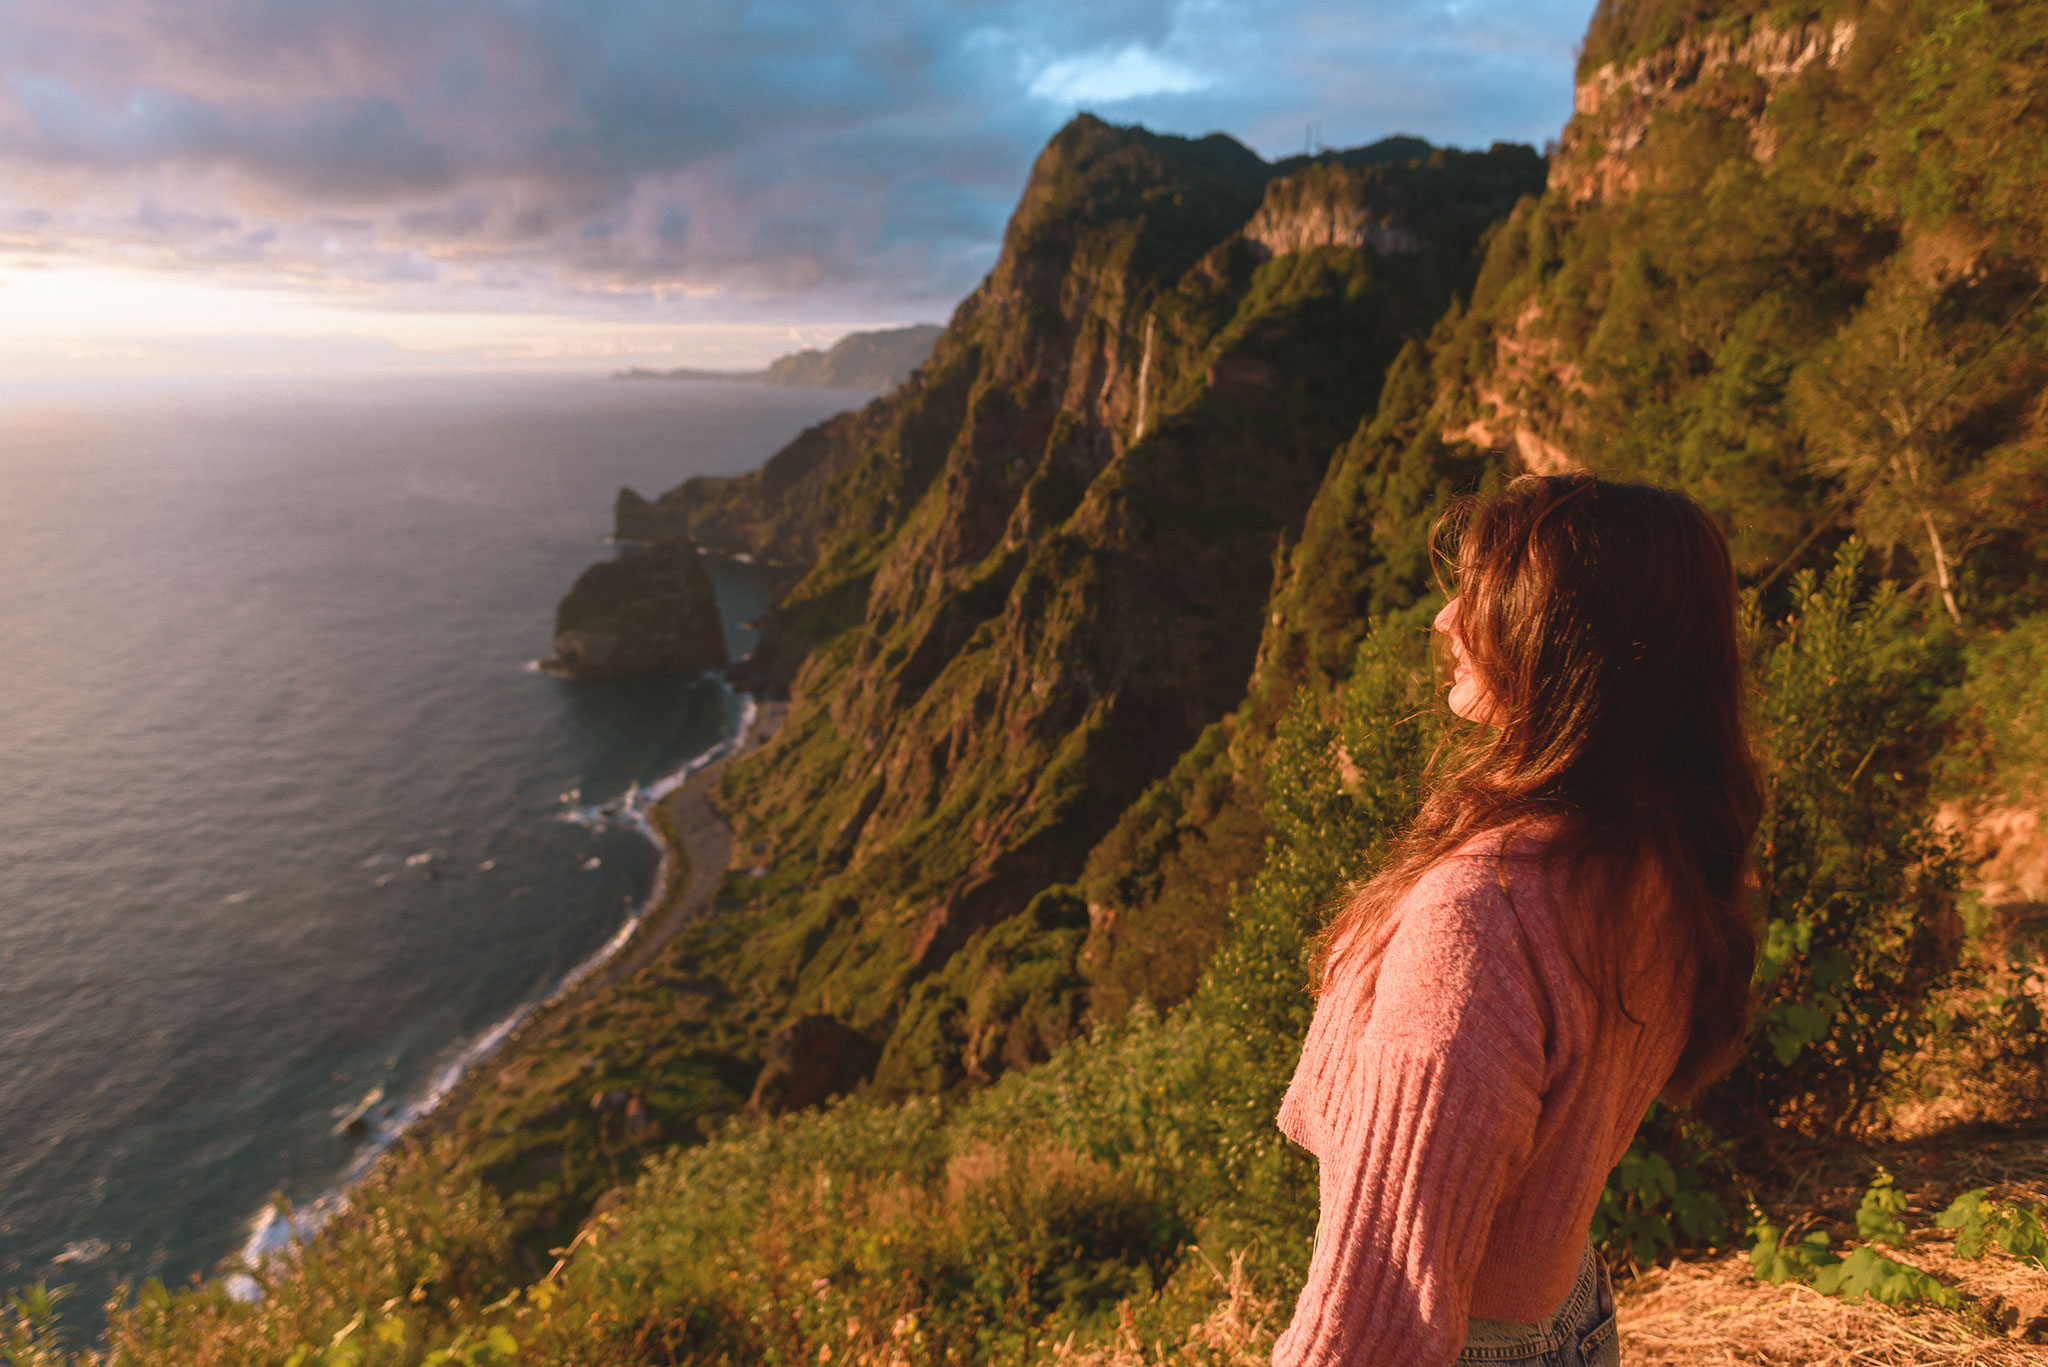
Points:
point(649, 611)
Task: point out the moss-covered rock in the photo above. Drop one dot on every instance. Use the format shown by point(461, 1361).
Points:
point(650, 611)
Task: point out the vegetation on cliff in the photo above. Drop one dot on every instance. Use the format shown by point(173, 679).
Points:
point(1133, 1188)
point(649, 611)
point(1048, 563)
point(1106, 654)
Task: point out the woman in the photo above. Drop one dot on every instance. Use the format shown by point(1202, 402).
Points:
point(1559, 938)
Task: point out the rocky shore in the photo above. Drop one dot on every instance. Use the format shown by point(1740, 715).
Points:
point(696, 849)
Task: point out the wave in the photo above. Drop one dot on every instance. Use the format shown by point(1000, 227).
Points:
point(277, 1231)
point(635, 806)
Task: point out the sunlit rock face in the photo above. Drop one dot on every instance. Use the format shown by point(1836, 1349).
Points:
point(1333, 206)
point(1738, 74)
point(651, 611)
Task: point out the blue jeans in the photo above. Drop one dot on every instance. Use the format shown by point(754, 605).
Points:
point(1579, 1333)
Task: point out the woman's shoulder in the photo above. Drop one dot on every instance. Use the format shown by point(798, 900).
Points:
point(1506, 859)
point(1467, 962)
point(1496, 893)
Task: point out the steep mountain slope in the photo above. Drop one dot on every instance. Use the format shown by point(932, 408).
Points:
point(1023, 585)
point(1790, 259)
point(1792, 262)
point(1059, 589)
point(1034, 575)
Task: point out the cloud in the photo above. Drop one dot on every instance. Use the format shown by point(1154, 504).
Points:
point(1128, 73)
point(724, 158)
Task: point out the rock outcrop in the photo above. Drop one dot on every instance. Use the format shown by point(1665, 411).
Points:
point(1738, 73)
point(649, 611)
point(808, 1061)
point(1331, 206)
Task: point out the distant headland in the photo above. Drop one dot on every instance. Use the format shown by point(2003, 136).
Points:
point(860, 360)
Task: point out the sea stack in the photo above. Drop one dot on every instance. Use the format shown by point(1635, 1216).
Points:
point(649, 611)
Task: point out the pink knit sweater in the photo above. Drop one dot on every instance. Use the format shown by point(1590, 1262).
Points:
point(1466, 1098)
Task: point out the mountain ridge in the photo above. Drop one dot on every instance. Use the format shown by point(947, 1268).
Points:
point(879, 360)
point(1036, 575)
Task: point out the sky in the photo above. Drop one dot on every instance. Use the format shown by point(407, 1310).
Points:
point(369, 185)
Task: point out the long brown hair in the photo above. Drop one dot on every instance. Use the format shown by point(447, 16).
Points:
point(1602, 620)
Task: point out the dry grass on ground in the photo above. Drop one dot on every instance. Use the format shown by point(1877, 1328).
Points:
point(1711, 1312)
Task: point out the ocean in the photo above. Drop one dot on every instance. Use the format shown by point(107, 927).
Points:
point(284, 812)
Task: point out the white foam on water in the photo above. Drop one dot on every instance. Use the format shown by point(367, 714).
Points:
point(635, 806)
point(83, 1253)
point(274, 1235)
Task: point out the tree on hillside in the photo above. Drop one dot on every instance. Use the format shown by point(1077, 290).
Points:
point(1913, 407)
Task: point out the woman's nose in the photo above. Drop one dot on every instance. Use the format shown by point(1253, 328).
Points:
point(1447, 617)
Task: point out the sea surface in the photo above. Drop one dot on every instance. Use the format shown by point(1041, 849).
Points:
point(282, 806)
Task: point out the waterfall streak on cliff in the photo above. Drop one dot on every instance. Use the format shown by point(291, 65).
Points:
point(1144, 379)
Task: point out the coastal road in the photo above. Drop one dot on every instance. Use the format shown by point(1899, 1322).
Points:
point(706, 851)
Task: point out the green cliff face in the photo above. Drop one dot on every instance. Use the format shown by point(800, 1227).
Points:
point(1789, 261)
point(1048, 558)
point(1036, 574)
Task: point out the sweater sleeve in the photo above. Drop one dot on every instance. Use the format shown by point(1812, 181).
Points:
point(1433, 1105)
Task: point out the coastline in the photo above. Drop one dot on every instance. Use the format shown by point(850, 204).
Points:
point(694, 855)
point(677, 814)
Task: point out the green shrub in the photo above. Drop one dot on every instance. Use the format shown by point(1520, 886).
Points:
point(1857, 888)
point(29, 1333)
point(1998, 713)
point(860, 1229)
point(419, 1249)
point(1862, 1271)
point(1663, 1193)
point(1980, 1222)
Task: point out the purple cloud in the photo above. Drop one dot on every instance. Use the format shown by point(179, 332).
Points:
point(761, 160)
